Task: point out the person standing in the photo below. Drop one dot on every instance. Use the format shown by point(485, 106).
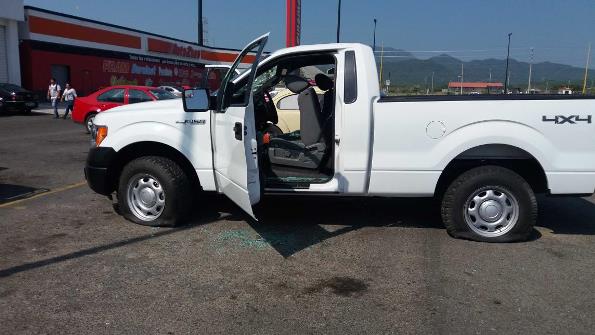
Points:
point(68, 96)
point(54, 95)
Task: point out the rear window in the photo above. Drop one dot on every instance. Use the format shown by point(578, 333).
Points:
point(162, 94)
point(113, 95)
point(135, 96)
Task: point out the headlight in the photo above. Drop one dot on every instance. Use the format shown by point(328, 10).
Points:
point(99, 133)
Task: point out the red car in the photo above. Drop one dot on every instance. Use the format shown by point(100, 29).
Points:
point(85, 108)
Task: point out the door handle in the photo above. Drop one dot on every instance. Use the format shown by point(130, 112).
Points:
point(237, 129)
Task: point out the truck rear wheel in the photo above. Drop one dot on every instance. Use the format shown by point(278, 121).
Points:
point(154, 191)
point(489, 204)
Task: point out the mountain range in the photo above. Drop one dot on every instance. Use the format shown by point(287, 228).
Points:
point(406, 69)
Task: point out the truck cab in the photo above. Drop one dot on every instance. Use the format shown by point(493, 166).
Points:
point(483, 157)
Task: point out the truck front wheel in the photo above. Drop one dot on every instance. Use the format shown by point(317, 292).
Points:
point(489, 204)
point(154, 191)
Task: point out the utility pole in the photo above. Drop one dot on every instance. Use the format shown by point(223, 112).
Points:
point(338, 20)
point(507, 61)
point(462, 73)
point(587, 70)
point(374, 43)
point(381, 63)
point(530, 72)
point(489, 81)
point(200, 33)
point(432, 82)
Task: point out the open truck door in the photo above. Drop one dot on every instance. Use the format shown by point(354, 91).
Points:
point(233, 132)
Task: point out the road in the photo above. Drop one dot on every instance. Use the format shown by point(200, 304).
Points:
point(69, 264)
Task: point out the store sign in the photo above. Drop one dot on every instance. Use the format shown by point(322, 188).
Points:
point(165, 72)
point(171, 48)
point(112, 66)
point(143, 69)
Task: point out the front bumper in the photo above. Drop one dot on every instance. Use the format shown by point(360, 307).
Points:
point(97, 170)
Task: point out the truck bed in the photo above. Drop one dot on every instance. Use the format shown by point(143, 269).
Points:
point(483, 97)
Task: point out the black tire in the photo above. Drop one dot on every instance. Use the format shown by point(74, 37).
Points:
point(458, 201)
point(87, 118)
point(176, 186)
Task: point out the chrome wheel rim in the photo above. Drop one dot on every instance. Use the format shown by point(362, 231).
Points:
point(90, 122)
point(491, 211)
point(146, 197)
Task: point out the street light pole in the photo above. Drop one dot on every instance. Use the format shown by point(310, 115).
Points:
point(338, 20)
point(432, 82)
point(507, 61)
point(530, 72)
point(200, 32)
point(462, 72)
point(587, 70)
point(374, 43)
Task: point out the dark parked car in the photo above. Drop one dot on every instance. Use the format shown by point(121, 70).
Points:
point(14, 98)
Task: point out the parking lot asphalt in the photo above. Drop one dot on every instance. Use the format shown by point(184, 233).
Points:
point(69, 264)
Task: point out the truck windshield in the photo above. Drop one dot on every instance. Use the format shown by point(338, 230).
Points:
point(259, 81)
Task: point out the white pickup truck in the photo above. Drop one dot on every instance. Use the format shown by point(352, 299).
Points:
point(483, 157)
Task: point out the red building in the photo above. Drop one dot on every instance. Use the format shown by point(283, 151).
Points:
point(455, 87)
point(91, 54)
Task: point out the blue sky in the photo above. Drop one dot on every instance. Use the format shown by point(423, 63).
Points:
point(558, 30)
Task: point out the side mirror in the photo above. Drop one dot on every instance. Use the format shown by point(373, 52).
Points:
point(196, 100)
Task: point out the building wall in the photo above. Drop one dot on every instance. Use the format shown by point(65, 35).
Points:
point(92, 54)
point(11, 12)
point(90, 69)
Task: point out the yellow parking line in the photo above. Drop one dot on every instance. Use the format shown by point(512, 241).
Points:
point(59, 189)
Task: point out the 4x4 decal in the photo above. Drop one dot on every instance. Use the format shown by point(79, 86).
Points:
point(561, 119)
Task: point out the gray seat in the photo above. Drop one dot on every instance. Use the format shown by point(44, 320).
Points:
point(307, 148)
point(327, 103)
point(326, 84)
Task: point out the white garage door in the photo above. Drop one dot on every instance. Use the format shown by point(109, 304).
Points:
point(3, 61)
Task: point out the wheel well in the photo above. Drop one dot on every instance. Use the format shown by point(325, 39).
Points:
point(510, 157)
point(140, 149)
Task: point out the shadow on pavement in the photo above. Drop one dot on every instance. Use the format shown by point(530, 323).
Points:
point(567, 215)
point(293, 223)
point(94, 250)
point(290, 224)
point(10, 192)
